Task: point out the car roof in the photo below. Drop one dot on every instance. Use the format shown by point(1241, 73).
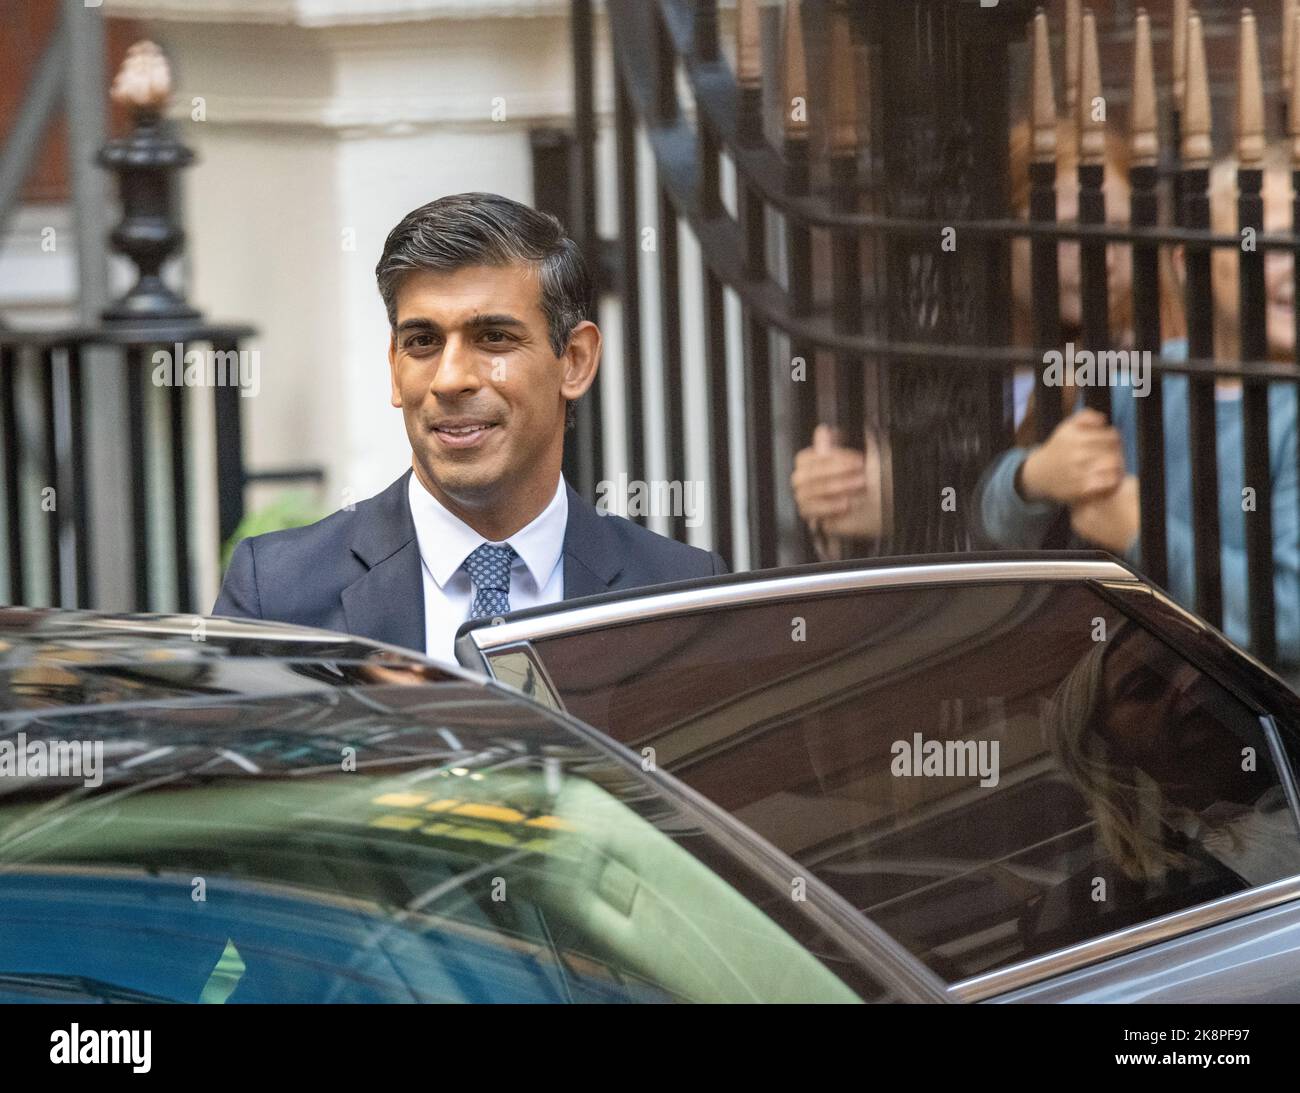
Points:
point(251, 698)
point(110, 635)
point(74, 662)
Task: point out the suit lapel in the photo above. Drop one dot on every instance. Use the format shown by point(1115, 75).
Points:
point(386, 603)
point(592, 559)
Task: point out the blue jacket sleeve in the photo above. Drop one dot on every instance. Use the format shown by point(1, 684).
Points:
point(1005, 518)
point(1286, 545)
point(239, 597)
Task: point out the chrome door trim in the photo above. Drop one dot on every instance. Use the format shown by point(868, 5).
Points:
point(1170, 926)
point(652, 605)
point(1282, 764)
point(543, 692)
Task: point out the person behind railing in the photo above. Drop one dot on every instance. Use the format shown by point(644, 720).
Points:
point(1123, 727)
point(837, 489)
point(1082, 467)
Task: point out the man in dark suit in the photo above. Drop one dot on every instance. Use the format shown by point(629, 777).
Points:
point(488, 352)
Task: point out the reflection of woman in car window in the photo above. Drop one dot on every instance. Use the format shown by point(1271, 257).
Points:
point(1155, 747)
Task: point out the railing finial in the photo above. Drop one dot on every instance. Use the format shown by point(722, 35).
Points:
point(1042, 105)
point(1144, 140)
point(749, 44)
point(1073, 53)
point(1179, 65)
point(1092, 122)
point(844, 105)
point(795, 72)
point(146, 161)
point(1250, 95)
point(1289, 10)
point(1293, 111)
point(1198, 149)
point(144, 80)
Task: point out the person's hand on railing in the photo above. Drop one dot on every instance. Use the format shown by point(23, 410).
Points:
point(1111, 520)
point(837, 489)
point(1081, 460)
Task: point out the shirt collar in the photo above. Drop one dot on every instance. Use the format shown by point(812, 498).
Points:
point(445, 540)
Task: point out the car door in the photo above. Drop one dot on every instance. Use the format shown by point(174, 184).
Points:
point(1021, 767)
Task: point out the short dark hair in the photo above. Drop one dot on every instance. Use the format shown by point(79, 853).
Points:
point(480, 229)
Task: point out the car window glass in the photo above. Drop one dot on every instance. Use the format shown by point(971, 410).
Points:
point(990, 772)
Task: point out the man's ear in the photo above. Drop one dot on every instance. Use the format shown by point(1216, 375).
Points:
point(396, 396)
point(580, 360)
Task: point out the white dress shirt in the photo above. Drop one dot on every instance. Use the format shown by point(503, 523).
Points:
point(445, 541)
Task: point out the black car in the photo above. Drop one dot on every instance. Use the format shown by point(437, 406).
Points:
point(217, 811)
point(1002, 778)
point(1036, 772)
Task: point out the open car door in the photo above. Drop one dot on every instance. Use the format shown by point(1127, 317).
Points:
point(1022, 766)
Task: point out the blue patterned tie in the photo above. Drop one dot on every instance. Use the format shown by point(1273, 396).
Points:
point(489, 568)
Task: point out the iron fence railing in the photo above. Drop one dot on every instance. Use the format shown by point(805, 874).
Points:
point(50, 380)
point(829, 226)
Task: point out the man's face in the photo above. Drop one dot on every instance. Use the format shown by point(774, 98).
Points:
point(482, 393)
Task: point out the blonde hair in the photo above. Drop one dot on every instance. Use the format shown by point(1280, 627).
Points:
point(1125, 803)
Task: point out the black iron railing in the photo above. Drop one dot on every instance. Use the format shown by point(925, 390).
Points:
point(50, 378)
point(830, 235)
point(805, 239)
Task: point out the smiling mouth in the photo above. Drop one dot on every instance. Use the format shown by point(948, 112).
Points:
point(468, 435)
point(462, 430)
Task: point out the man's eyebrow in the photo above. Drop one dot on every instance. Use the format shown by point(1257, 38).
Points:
point(495, 320)
point(474, 322)
point(416, 324)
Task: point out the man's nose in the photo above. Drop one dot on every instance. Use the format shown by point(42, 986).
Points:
point(458, 369)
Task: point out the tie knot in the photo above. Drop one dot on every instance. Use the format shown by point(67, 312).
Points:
point(488, 566)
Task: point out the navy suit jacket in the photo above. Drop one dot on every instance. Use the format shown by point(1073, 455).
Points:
point(359, 572)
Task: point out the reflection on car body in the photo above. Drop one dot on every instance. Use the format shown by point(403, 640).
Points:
point(363, 826)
